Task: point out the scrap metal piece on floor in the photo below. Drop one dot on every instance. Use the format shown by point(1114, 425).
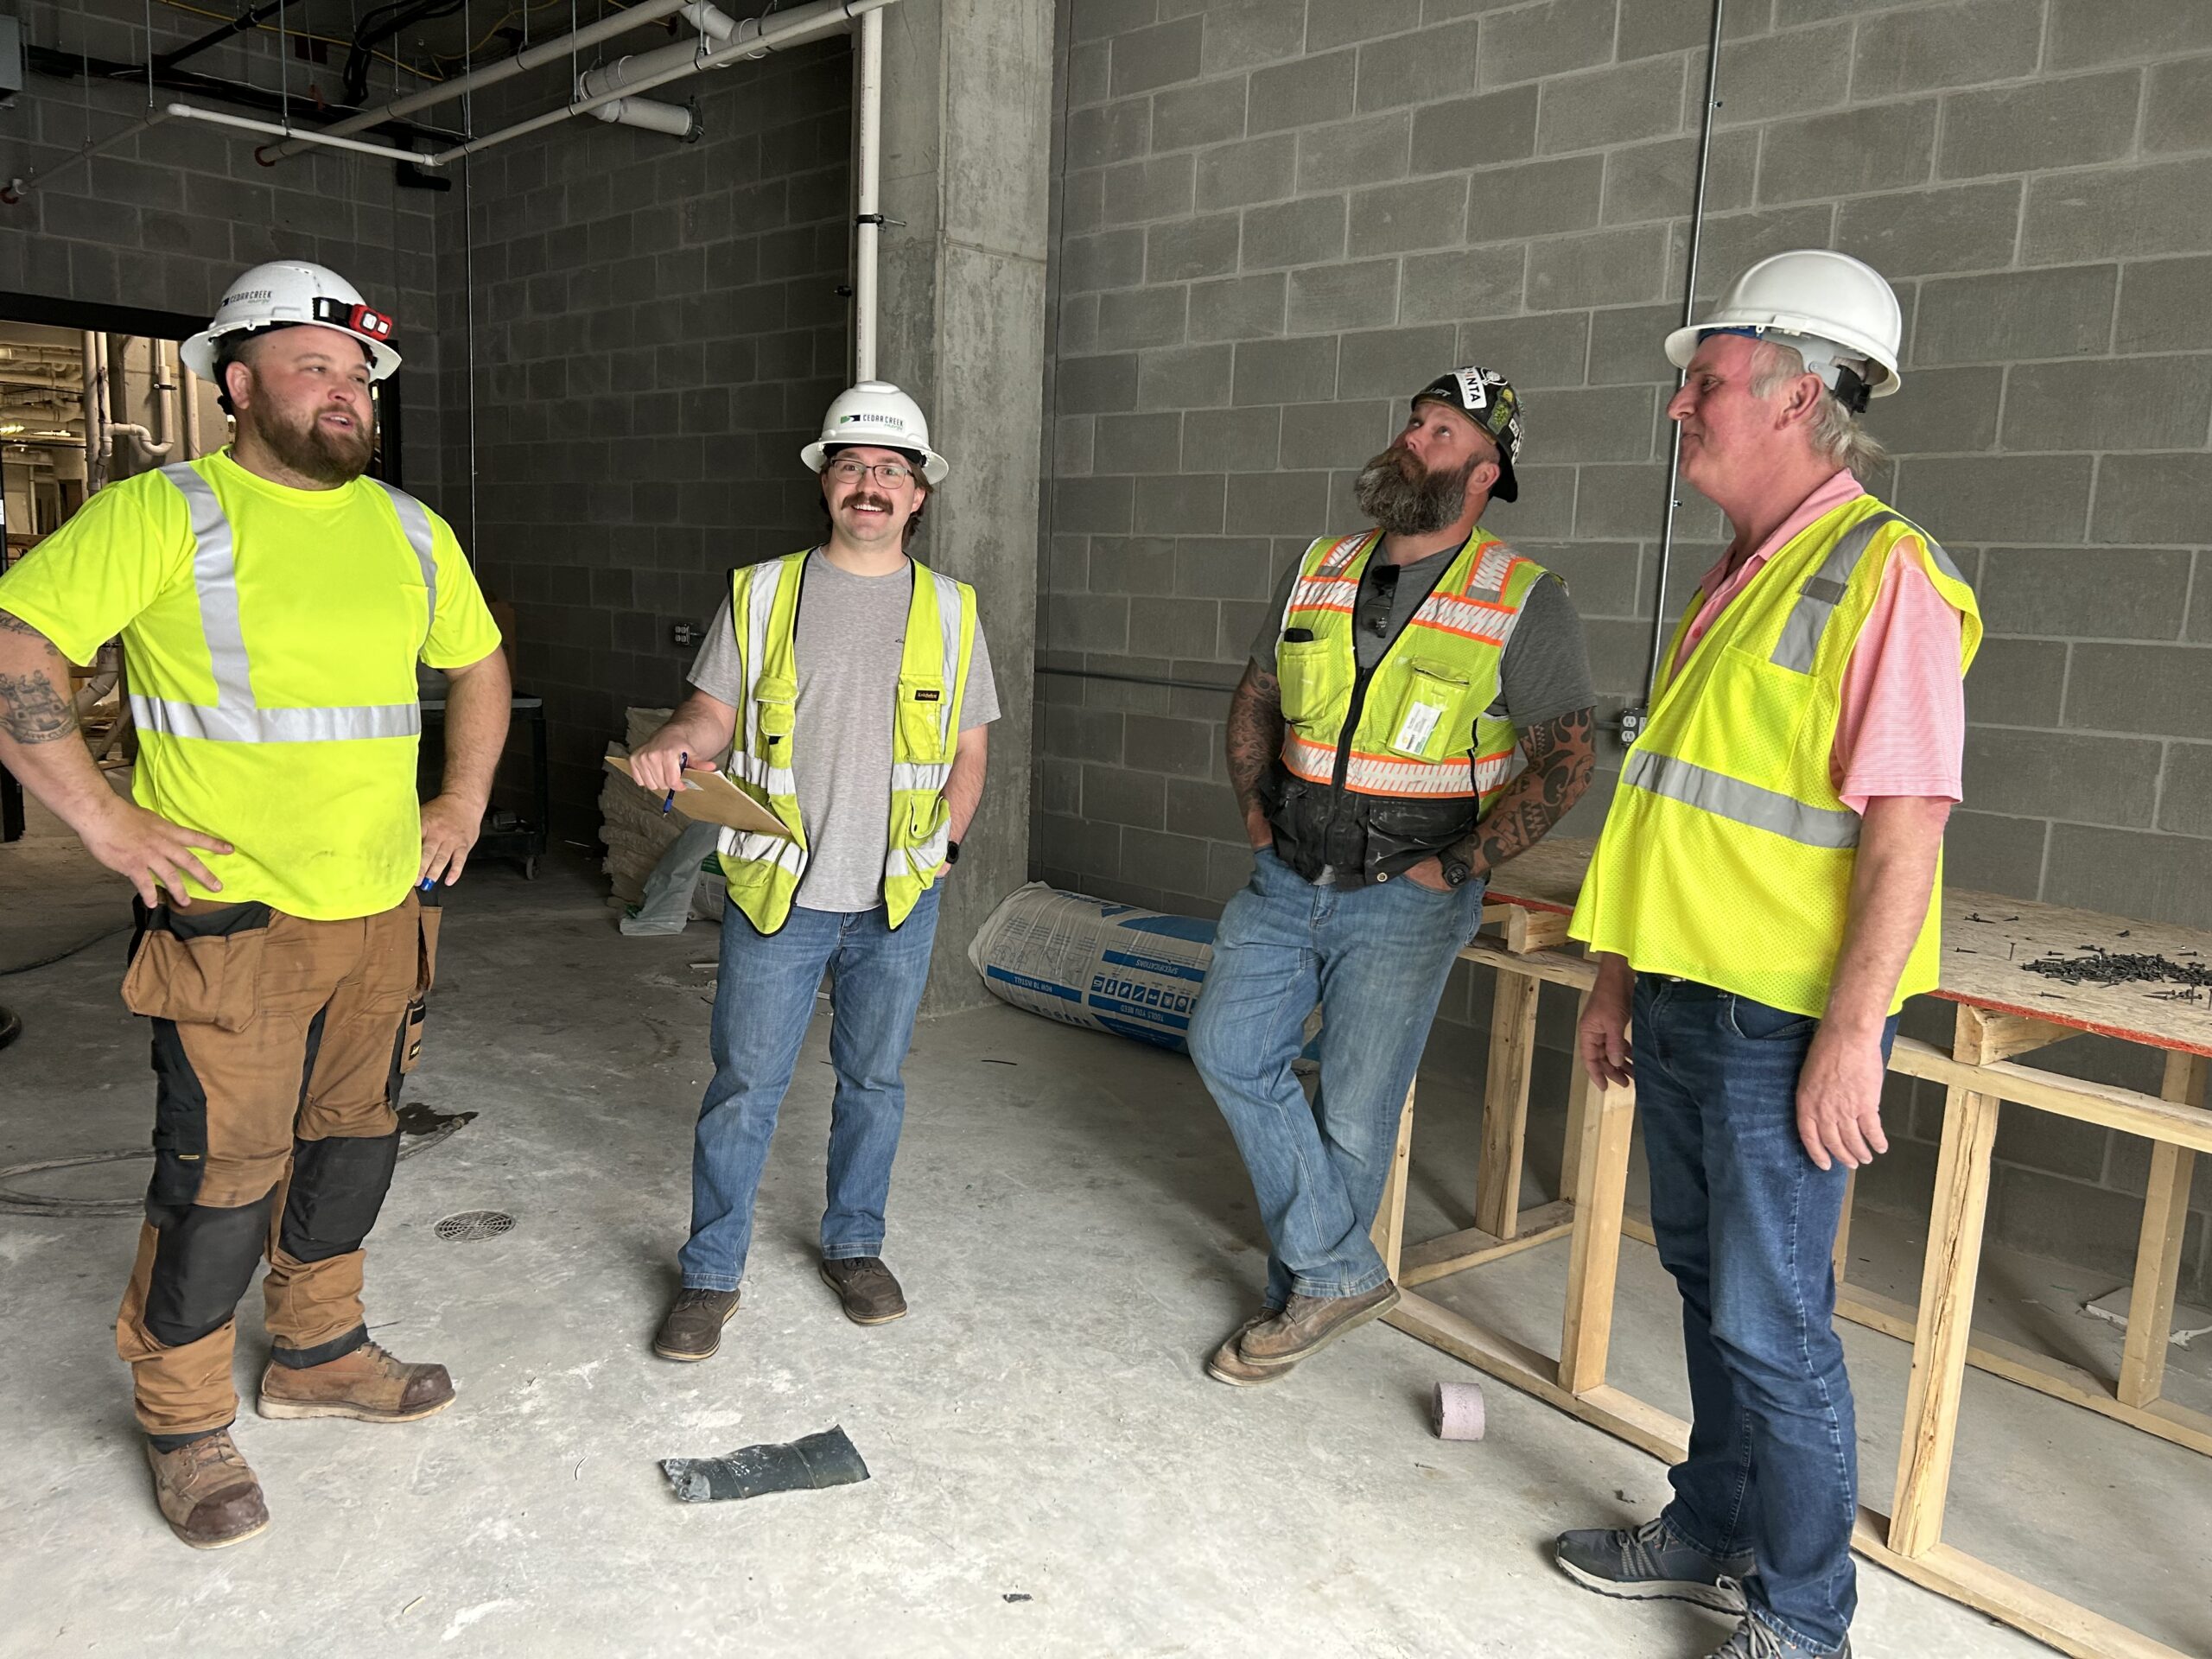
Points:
point(828, 1458)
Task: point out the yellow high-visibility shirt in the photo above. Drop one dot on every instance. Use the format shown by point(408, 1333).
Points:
point(270, 636)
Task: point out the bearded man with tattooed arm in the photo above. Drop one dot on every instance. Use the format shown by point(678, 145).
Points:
point(1399, 677)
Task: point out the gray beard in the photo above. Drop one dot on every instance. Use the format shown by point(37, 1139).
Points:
point(1403, 506)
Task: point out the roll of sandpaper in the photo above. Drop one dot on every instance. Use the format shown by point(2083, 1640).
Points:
point(1456, 1411)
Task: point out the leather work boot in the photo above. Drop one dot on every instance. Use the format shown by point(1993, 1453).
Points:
point(367, 1384)
point(1227, 1364)
point(865, 1286)
point(1310, 1323)
point(693, 1329)
point(207, 1493)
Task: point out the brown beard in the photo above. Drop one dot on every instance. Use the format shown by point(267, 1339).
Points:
point(1404, 501)
point(310, 450)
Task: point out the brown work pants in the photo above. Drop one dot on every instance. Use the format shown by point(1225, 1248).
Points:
point(279, 1047)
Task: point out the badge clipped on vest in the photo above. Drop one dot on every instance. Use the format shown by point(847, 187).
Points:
point(1413, 732)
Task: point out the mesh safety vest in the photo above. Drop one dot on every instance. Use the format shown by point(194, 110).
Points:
point(1429, 726)
point(764, 871)
point(1728, 855)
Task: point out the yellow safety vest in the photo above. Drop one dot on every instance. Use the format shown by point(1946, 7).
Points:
point(764, 871)
point(1728, 855)
point(1431, 725)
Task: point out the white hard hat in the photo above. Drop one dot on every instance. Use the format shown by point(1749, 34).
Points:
point(288, 291)
point(877, 414)
point(1834, 308)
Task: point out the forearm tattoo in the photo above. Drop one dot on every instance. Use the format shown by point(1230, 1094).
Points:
point(31, 709)
point(1254, 734)
point(1561, 754)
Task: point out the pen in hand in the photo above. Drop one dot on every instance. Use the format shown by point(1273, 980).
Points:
point(683, 760)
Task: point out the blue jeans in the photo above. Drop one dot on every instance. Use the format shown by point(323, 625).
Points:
point(1747, 1222)
point(762, 1005)
point(1375, 958)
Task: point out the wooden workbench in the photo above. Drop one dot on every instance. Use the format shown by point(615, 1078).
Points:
point(2003, 1011)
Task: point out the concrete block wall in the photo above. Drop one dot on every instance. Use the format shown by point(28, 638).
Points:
point(658, 328)
point(1278, 218)
point(165, 220)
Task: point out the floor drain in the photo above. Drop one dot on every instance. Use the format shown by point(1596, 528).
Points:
point(474, 1225)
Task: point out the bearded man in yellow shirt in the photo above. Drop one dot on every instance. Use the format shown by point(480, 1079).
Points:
point(273, 603)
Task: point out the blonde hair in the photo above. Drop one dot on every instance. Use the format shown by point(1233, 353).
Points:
point(1836, 434)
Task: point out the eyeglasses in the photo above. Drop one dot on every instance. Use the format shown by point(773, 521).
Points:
point(889, 473)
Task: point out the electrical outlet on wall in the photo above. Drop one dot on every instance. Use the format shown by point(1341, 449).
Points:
point(684, 634)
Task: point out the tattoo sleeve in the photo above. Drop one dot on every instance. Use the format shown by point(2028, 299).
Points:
point(1561, 754)
point(1254, 736)
point(34, 703)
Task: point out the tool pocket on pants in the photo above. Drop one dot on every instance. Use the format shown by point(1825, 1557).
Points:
point(199, 968)
point(428, 918)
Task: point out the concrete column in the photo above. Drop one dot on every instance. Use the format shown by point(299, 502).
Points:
point(967, 123)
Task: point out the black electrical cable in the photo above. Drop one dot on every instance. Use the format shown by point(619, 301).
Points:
point(64, 956)
point(379, 25)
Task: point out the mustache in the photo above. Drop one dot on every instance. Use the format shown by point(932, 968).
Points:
point(875, 501)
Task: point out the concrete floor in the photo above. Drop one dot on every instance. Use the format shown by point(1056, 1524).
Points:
point(1053, 1473)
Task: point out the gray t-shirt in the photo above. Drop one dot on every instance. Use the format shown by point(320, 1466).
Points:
point(1545, 672)
point(851, 630)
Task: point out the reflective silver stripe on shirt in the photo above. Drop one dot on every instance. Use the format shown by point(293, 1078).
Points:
point(1820, 593)
point(760, 609)
point(235, 717)
point(175, 719)
point(415, 524)
point(1740, 803)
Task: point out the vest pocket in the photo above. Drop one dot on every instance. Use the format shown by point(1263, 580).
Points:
point(921, 718)
point(1432, 717)
point(775, 706)
point(1311, 673)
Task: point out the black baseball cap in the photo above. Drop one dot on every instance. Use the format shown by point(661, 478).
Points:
point(1487, 398)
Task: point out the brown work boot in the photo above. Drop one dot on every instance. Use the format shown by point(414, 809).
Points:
point(367, 1384)
point(207, 1493)
point(693, 1329)
point(1227, 1364)
point(1308, 1325)
point(870, 1294)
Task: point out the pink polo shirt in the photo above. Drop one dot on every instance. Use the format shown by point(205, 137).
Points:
point(1901, 727)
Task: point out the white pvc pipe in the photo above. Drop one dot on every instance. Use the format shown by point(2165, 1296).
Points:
point(710, 20)
point(755, 38)
point(90, 413)
point(868, 238)
point(645, 11)
point(674, 119)
point(246, 124)
point(191, 411)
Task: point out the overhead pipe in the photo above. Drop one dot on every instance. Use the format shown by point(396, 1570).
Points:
point(867, 216)
point(676, 120)
point(529, 58)
point(755, 38)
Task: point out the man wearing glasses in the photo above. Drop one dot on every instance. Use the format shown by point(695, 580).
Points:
point(856, 688)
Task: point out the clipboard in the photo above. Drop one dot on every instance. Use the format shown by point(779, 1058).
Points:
point(707, 796)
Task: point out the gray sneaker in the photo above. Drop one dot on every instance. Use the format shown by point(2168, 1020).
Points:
point(1756, 1639)
point(1653, 1562)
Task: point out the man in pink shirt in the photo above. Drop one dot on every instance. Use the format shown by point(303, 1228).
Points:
point(1762, 902)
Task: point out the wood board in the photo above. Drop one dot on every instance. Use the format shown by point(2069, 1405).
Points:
point(1988, 939)
point(707, 796)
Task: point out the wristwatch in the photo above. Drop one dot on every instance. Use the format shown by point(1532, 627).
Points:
point(952, 852)
point(1456, 871)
